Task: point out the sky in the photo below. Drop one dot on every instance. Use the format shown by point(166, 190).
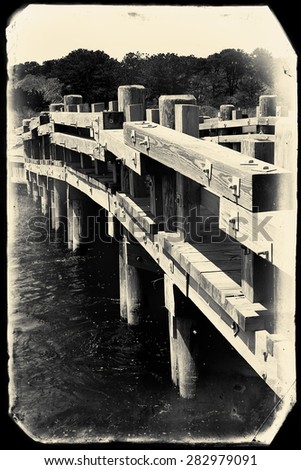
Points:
point(44, 32)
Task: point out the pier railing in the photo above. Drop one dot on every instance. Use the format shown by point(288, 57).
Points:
point(213, 218)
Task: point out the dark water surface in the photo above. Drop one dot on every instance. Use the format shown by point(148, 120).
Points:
point(80, 374)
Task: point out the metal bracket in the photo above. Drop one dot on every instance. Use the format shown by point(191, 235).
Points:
point(149, 125)
point(234, 220)
point(235, 328)
point(235, 186)
point(146, 142)
point(134, 160)
point(133, 136)
point(207, 169)
point(249, 163)
point(179, 200)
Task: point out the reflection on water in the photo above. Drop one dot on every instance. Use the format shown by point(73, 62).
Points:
point(79, 373)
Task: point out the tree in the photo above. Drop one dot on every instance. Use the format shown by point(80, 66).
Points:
point(92, 74)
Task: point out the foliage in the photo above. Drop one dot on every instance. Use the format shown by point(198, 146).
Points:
point(230, 76)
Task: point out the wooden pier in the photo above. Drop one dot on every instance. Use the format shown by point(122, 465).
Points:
point(210, 205)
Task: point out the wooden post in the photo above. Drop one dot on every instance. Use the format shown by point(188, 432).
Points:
point(267, 105)
point(130, 94)
point(69, 217)
point(137, 185)
point(122, 278)
point(135, 112)
point(97, 107)
point(286, 156)
point(226, 111)
point(187, 119)
point(56, 107)
point(167, 118)
point(83, 108)
point(70, 100)
point(113, 105)
point(188, 192)
point(152, 115)
point(256, 277)
point(262, 150)
point(100, 167)
point(124, 179)
point(167, 107)
point(236, 114)
point(85, 161)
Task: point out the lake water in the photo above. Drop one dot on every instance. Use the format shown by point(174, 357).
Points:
point(80, 374)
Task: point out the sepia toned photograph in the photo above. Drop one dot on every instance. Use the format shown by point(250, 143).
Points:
point(151, 203)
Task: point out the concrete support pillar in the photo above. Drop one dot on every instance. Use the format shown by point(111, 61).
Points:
point(122, 279)
point(186, 362)
point(45, 197)
point(35, 192)
point(60, 205)
point(75, 215)
point(184, 372)
point(131, 292)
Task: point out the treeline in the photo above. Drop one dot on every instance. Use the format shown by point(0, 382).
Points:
point(230, 76)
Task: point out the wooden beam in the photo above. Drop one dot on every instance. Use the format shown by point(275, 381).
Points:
point(218, 168)
point(78, 144)
point(112, 140)
point(215, 123)
point(267, 233)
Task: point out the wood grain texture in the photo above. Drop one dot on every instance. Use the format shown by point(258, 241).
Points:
point(189, 156)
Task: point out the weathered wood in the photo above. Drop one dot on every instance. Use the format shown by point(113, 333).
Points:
point(71, 142)
point(263, 232)
point(140, 212)
point(83, 108)
point(110, 120)
point(226, 111)
point(113, 141)
point(267, 105)
point(71, 108)
point(45, 198)
point(139, 258)
point(261, 150)
point(113, 106)
point(256, 278)
point(239, 138)
point(130, 94)
point(212, 166)
point(281, 111)
point(98, 107)
point(167, 107)
point(187, 119)
point(215, 123)
point(70, 100)
point(236, 114)
point(135, 112)
point(169, 200)
point(56, 107)
point(137, 185)
point(152, 115)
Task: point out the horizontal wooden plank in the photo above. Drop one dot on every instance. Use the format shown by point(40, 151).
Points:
point(215, 123)
point(27, 135)
point(141, 214)
point(113, 141)
point(194, 158)
point(272, 231)
point(46, 129)
point(78, 144)
point(218, 278)
point(238, 138)
point(75, 119)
